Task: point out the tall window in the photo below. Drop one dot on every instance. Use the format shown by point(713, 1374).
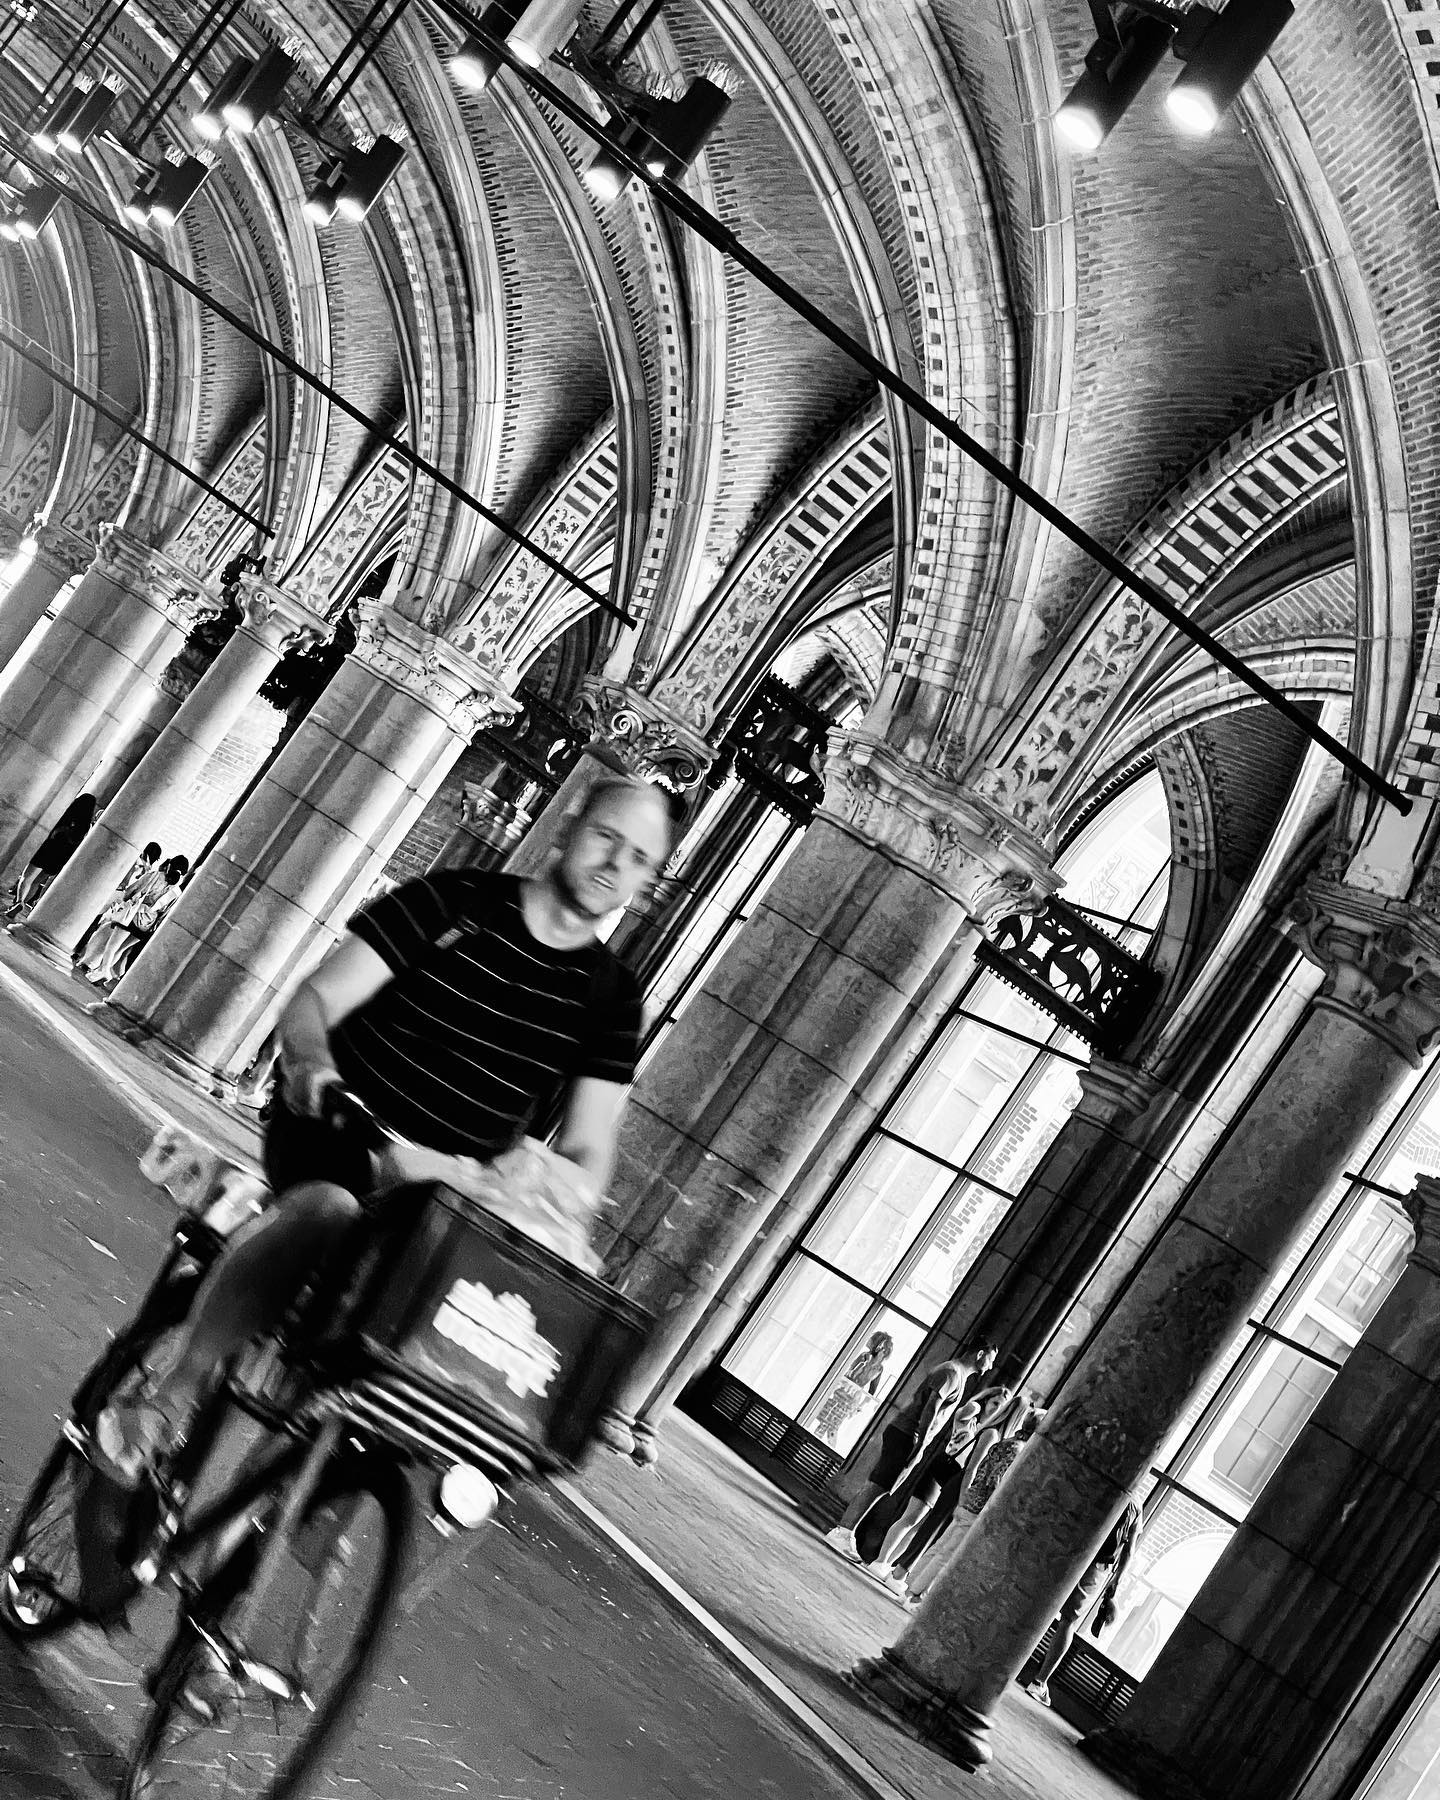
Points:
point(892, 1242)
point(1237, 1431)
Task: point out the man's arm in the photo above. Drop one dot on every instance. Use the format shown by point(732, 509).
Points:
point(589, 1125)
point(349, 976)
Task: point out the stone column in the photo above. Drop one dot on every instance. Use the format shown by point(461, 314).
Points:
point(301, 852)
point(100, 659)
point(270, 624)
point(59, 555)
point(1379, 1004)
point(487, 832)
point(1319, 1585)
point(896, 863)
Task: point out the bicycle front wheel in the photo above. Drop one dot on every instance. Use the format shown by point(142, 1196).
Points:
point(246, 1709)
point(66, 1553)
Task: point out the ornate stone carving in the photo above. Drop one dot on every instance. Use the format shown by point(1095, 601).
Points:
point(198, 545)
point(954, 836)
point(1114, 1093)
point(692, 694)
point(106, 488)
point(134, 564)
point(461, 690)
point(652, 742)
point(27, 482)
point(276, 618)
point(367, 511)
point(1381, 959)
point(64, 549)
point(504, 607)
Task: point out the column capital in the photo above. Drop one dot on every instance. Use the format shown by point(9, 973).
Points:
point(67, 551)
point(1422, 1205)
point(953, 836)
point(1381, 959)
point(146, 569)
point(652, 741)
point(277, 619)
point(459, 689)
point(1114, 1093)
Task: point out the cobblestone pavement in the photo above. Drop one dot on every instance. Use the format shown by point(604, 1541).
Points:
point(550, 1665)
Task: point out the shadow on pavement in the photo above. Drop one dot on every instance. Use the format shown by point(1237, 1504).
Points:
point(50, 1747)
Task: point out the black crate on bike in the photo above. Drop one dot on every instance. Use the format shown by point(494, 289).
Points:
point(504, 1325)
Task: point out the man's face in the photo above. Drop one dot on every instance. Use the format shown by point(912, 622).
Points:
point(613, 851)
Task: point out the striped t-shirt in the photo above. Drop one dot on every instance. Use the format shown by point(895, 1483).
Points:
point(483, 1026)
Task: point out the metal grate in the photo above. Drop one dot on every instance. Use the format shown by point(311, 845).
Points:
point(732, 1405)
point(1087, 1689)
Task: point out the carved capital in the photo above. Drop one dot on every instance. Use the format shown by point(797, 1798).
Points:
point(652, 741)
point(277, 619)
point(1114, 1093)
point(484, 815)
point(963, 843)
point(462, 691)
point(1381, 959)
point(145, 569)
point(66, 551)
point(1422, 1204)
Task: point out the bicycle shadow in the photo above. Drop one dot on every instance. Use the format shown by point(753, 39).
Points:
point(52, 1746)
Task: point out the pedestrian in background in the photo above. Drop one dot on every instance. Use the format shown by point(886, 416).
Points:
point(54, 852)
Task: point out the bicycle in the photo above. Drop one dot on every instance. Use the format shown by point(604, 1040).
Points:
point(471, 1356)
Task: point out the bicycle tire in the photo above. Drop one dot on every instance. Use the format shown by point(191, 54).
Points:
point(43, 1537)
point(240, 1752)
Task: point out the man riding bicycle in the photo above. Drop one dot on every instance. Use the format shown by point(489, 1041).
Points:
point(459, 1009)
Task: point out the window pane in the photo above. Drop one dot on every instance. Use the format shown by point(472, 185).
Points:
point(970, 1218)
point(1179, 1546)
point(967, 1078)
point(1367, 1267)
point(796, 1335)
point(843, 1408)
point(1275, 1401)
point(887, 1200)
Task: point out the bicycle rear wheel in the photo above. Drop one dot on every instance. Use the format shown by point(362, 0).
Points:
point(49, 1578)
point(249, 1720)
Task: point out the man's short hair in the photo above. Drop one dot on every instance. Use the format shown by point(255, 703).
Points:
point(673, 803)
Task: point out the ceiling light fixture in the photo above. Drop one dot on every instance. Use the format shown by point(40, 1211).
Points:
point(210, 120)
point(1221, 51)
point(34, 212)
point(1116, 69)
point(141, 204)
point(475, 65)
point(260, 92)
point(87, 119)
point(61, 110)
point(367, 174)
point(178, 185)
point(542, 28)
point(682, 127)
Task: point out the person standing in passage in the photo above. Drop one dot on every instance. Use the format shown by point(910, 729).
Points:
point(1096, 1590)
point(856, 1388)
point(133, 918)
point(904, 1439)
point(53, 854)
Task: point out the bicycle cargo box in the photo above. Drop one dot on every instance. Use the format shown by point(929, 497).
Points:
point(503, 1325)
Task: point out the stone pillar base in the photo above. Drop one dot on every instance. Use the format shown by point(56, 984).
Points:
point(1137, 1765)
point(956, 1731)
point(625, 1436)
point(36, 938)
point(135, 1030)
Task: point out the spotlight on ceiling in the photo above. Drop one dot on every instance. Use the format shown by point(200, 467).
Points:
point(683, 127)
point(210, 120)
point(368, 173)
point(605, 175)
point(87, 119)
point(177, 186)
point(8, 230)
point(61, 110)
point(475, 65)
point(141, 204)
point(1221, 51)
point(1115, 71)
point(351, 183)
point(33, 213)
point(260, 92)
point(542, 28)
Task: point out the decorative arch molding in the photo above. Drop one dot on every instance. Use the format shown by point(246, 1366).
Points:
point(969, 351)
point(369, 516)
point(1241, 495)
point(510, 614)
point(212, 534)
point(856, 641)
point(751, 615)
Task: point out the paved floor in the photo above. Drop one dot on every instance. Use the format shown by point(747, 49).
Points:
point(553, 1664)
